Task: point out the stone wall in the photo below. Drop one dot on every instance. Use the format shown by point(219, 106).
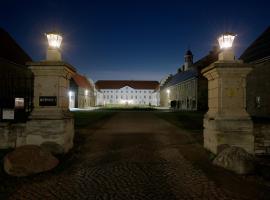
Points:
point(57, 132)
point(262, 137)
point(12, 135)
point(258, 90)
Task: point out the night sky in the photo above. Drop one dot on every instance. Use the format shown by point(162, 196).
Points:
point(132, 39)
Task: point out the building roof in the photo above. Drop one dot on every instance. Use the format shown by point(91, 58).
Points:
point(82, 81)
point(180, 77)
point(194, 70)
point(117, 84)
point(259, 49)
point(205, 61)
point(10, 50)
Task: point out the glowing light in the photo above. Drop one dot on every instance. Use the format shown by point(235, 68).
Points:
point(226, 40)
point(126, 101)
point(168, 91)
point(86, 92)
point(70, 93)
point(54, 39)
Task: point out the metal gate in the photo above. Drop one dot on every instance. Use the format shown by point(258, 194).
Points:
point(16, 92)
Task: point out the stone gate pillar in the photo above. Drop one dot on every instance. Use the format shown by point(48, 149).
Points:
point(227, 121)
point(51, 122)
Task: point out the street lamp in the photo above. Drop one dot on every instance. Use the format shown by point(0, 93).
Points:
point(226, 40)
point(54, 41)
point(226, 43)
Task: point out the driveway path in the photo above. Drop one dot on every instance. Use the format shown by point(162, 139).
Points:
point(134, 155)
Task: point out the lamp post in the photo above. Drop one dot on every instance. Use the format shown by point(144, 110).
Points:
point(226, 45)
point(51, 120)
point(227, 121)
point(54, 43)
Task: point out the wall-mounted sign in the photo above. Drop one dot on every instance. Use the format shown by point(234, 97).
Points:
point(8, 114)
point(47, 101)
point(19, 103)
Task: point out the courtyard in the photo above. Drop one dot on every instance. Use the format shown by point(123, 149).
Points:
point(136, 154)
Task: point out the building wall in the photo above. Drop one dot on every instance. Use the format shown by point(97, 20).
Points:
point(127, 96)
point(164, 100)
point(258, 90)
point(202, 93)
point(184, 93)
point(85, 98)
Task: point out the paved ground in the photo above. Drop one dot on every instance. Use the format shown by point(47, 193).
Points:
point(134, 155)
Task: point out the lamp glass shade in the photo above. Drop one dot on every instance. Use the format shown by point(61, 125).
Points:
point(54, 40)
point(226, 40)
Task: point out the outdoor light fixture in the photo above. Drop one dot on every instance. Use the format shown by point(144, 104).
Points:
point(53, 51)
point(54, 39)
point(70, 93)
point(86, 92)
point(168, 91)
point(226, 40)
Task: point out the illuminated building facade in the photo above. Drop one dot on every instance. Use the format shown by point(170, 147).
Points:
point(81, 92)
point(117, 92)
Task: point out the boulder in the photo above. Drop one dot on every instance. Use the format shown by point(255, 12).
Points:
point(53, 147)
point(28, 160)
point(235, 159)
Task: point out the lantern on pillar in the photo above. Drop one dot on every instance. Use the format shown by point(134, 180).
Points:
point(226, 40)
point(226, 43)
point(54, 41)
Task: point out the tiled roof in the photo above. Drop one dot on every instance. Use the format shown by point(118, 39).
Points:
point(207, 60)
point(117, 84)
point(180, 77)
point(10, 50)
point(194, 71)
point(259, 49)
point(82, 81)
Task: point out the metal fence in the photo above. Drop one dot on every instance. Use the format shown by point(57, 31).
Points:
point(16, 92)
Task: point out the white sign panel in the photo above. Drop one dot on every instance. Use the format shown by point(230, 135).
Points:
point(19, 102)
point(8, 114)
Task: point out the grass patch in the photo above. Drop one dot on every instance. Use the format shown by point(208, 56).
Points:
point(83, 119)
point(189, 120)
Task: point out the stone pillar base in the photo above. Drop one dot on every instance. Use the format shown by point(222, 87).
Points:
point(55, 130)
point(234, 132)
